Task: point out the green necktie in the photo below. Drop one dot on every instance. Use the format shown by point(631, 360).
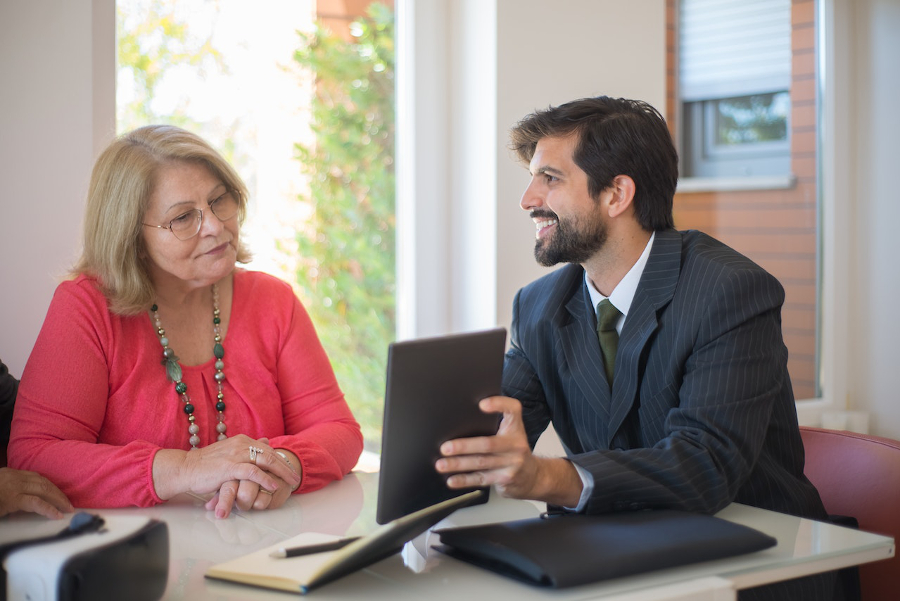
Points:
point(607, 317)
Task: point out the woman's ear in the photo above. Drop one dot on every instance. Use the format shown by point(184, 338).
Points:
point(622, 195)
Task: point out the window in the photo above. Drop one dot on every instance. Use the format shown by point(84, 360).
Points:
point(299, 96)
point(737, 137)
point(746, 111)
point(734, 79)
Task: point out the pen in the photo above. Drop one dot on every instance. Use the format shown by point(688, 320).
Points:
point(310, 549)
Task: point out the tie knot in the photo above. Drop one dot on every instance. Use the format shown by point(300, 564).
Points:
point(607, 316)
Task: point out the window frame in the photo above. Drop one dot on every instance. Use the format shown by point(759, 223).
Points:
point(835, 71)
point(704, 157)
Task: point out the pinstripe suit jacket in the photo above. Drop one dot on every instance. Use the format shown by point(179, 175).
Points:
point(701, 411)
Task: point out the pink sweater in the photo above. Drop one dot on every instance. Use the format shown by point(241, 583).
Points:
point(94, 403)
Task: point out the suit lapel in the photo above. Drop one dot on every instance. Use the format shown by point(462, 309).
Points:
point(655, 291)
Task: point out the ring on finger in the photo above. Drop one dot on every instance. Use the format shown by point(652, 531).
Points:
point(266, 490)
point(254, 451)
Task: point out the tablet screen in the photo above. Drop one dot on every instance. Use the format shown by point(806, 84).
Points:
point(432, 392)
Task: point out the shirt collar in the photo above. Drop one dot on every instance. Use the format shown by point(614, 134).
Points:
point(623, 294)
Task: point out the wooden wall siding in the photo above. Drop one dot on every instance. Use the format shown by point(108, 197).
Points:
point(775, 228)
point(671, 66)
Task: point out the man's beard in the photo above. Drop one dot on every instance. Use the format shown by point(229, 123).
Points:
point(574, 241)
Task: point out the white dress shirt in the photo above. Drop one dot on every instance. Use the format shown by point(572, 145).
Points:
point(621, 298)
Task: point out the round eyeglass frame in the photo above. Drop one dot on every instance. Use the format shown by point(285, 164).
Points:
point(198, 216)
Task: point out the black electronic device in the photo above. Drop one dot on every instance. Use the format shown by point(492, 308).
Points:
point(432, 392)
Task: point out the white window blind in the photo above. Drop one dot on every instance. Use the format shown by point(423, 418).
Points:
point(734, 48)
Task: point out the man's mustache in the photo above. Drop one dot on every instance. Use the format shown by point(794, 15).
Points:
point(543, 213)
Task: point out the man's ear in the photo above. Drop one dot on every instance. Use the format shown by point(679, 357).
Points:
point(622, 195)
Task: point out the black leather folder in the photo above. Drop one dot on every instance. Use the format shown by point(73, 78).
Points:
point(570, 550)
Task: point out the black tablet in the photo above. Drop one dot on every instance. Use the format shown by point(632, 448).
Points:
point(432, 392)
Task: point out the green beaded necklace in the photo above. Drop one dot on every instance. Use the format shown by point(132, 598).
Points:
point(173, 372)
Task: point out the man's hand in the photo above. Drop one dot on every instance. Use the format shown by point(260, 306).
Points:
point(505, 461)
point(28, 491)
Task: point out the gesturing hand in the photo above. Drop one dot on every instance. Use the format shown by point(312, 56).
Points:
point(505, 460)
point(28, 491)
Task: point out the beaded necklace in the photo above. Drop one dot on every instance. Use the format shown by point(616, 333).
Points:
point(173, 372)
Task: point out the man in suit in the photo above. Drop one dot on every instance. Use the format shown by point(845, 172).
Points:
point(699, 411)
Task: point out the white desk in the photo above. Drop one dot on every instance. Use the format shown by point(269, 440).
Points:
point(198, 540)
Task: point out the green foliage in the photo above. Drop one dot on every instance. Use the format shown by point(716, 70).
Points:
point(753, 119)
point(153, 44)
point(347, 256)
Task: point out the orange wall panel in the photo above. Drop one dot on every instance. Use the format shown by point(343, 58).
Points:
point(775, 228)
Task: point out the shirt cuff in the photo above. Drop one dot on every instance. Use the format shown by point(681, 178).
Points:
point(587, 487)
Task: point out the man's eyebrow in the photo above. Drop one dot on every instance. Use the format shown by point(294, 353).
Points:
point(548, 170)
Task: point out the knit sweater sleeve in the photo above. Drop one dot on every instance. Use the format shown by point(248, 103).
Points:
point(62, 403)
point(318, 425)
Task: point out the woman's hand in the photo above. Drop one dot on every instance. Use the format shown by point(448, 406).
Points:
point(206, 470)
point(249, 495)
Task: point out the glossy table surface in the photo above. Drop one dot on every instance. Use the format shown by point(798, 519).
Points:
point(198, 540)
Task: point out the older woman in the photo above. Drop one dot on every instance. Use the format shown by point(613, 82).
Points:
point(161, 368)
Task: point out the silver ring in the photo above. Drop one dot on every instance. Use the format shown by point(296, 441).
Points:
point(254, 451)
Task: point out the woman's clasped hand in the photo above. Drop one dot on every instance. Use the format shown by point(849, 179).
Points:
point(260, 477)
point(238, 471)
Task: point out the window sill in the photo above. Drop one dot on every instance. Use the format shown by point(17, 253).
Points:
point(735, 184)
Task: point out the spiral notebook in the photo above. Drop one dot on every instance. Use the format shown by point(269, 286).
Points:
point(303, 573)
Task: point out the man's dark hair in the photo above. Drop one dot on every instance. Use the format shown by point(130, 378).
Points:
point(616, 136)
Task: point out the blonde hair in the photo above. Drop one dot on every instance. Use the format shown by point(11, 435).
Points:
point(119, 193)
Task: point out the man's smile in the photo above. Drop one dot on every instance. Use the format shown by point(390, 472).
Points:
point(543, 225)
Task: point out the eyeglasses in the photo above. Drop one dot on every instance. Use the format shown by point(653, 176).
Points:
point(187, 225)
